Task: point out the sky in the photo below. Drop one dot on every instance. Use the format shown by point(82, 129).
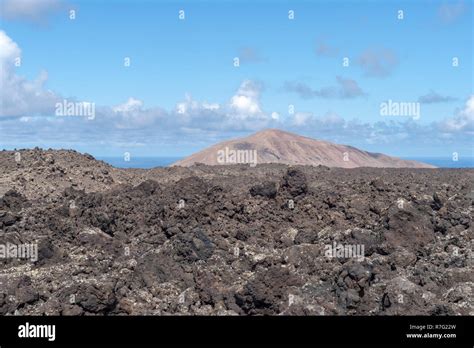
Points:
point(160, 78)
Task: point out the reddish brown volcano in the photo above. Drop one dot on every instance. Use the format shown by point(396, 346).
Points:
point(276, 146)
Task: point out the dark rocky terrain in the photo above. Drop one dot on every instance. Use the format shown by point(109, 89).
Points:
point(233, 240)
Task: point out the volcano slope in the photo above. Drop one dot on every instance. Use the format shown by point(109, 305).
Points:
point(233, 240)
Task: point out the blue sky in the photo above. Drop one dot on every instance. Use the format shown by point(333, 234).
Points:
point(182, 91)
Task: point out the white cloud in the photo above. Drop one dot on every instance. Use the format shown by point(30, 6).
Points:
point(213, 106)
point(9, 50)
point(328, 120)
point(132, 115)
point(246, 102)
point(242, 112)
point(301, 118)
point(131, 122)
point(189, 106)
point(21, 97)
point(462, 121)
point(131, 104)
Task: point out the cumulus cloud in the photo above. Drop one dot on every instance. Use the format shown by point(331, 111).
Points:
point(20, 96)
point(301, 119)
point(457, 130)
point(29, 10)
point(190, 106)
point(191, 113)
point(246, 102)
point(345, 89)
point(130, 105)
point(377, 135)
point(132, 123)
point(25, 99)
point(377, 62)
point(333, 126)
point(308, 119)
point(9, 50)
point(243, 111)
point(434, 97)
point(132, 115)
point(462, 121)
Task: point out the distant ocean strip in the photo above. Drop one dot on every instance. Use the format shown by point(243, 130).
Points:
point(152, 162)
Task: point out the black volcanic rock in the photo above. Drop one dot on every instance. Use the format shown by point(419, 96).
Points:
point(294, 182)
point(225, 240)
point(12, 200)
point(267, 189)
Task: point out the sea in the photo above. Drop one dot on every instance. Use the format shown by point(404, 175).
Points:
point(140, 162)
point(152, 162)
point(445, 162)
